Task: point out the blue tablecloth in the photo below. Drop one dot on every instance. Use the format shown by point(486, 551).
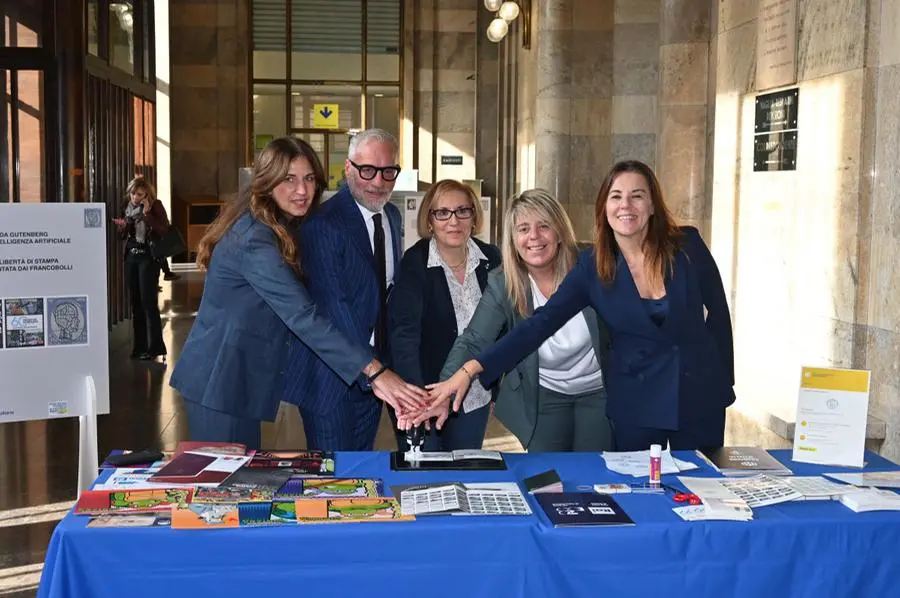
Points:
point(816, 549)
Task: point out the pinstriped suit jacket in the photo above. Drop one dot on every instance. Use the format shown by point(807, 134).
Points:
point(252, 306)
point(340, 269)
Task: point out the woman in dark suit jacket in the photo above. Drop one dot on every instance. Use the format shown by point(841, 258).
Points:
point(439, 284)
point(671, 367)
point(230, 369)
point(554, 399)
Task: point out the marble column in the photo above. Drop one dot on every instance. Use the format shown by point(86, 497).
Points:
point(635, 80)
point(683, 66)
point(209, 96)
point(487, 108)
point(573, 102)
point(552, 100)
point(445, 56)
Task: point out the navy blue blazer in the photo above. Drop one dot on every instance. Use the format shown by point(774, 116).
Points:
point(340, 268)
point(658, 376)
point(252, 305)
point(421, 318)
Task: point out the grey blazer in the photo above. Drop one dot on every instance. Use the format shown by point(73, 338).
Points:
point(517, 395)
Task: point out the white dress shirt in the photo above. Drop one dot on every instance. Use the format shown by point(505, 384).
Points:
point(388, 245)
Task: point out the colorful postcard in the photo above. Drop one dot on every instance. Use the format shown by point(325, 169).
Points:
point(284, 511)
point(67, 321)
point(341, 488)
point(24, 319)
point(266, 513)
point(342, 510)
point(195, 516)
point(101, 502)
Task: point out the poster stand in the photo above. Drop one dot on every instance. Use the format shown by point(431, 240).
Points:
point(88, 458)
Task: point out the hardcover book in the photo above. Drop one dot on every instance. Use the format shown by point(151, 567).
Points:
point(199, 468)
point(582, 509)
point(743, 460)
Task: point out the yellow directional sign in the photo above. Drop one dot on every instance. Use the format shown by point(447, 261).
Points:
point(325, 116)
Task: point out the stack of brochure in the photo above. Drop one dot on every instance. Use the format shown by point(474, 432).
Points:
point(871, 499)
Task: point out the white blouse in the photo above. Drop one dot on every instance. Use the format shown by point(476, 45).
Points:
point(567, 362)
point(465, 297)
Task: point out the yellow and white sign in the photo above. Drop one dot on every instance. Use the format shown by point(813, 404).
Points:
point(325, 116)
point(832, 409)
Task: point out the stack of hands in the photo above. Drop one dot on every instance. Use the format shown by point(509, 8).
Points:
point(414, 405)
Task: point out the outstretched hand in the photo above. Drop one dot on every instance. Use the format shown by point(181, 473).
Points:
point(401, 396)
point(409, 420)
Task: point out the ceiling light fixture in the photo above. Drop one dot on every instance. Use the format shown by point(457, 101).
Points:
point(504, 14)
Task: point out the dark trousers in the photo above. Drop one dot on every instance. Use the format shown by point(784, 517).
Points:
point(141, 275)
point(164, 266)
point(571, 423)
point(461, 431)
point(351, 426)
point(209, 425)
point(703, 433)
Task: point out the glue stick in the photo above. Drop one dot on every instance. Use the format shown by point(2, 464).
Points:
point(655, 465)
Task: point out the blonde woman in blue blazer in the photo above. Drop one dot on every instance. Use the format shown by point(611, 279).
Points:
point(230, 371)
point(553, 399)
point(657, 287)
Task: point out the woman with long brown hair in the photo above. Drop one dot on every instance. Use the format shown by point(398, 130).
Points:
point(657, 287)
point(229, 372)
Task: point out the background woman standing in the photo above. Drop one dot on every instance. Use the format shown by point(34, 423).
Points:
point(145, 219)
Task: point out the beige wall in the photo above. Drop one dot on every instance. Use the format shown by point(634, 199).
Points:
point(209, 97)
point(807, 256)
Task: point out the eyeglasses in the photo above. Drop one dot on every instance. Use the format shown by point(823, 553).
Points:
point(367, 172)
point(463, 213)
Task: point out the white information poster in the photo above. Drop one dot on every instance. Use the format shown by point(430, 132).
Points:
point(53, 312)
point(832, 409)
point(409, 207)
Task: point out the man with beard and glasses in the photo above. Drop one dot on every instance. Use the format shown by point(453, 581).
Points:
point(351, 248)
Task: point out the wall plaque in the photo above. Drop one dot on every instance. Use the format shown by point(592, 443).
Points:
point(776, 111)
point(451, 160)
point(776, 44)
point(775, 151)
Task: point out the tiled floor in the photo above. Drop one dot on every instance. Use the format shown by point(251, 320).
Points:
point(39, 459)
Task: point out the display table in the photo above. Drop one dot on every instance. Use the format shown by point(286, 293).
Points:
point(814, 548)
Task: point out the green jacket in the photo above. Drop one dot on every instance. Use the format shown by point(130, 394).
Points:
point(517, 395)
